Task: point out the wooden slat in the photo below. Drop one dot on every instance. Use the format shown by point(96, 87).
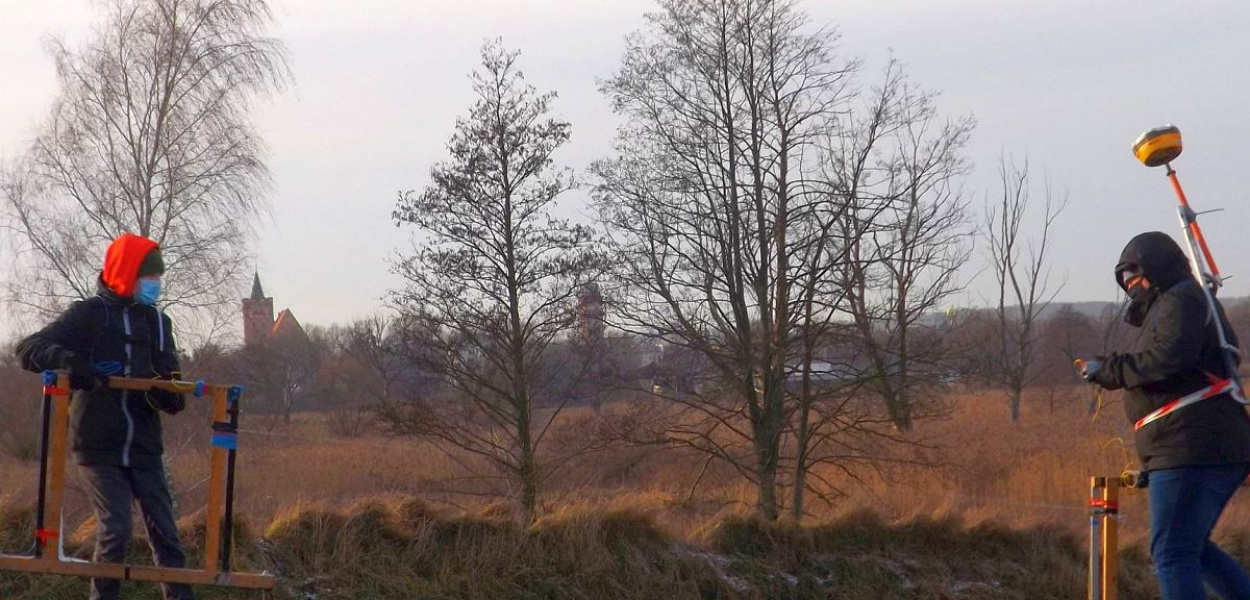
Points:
point(1095, 583)
point(136, 573)
point(164, 384)
point(1110, 543)
point(58, 436)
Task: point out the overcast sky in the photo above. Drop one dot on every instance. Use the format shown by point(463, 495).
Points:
point(381, 82)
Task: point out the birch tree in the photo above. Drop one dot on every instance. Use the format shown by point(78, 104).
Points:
point(149, 134)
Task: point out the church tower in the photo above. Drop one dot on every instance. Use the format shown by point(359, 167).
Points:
point(257, 315)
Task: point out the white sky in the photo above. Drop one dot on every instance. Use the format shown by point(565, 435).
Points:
point(381, 82)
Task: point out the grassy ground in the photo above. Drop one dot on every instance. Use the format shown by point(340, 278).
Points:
point(399, 548)
point(1002, 516)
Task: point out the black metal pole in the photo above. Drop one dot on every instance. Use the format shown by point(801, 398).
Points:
point(49, 380)
point(232, 409)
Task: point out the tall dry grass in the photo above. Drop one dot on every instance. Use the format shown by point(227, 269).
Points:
point(401, 548)
point(377, 517)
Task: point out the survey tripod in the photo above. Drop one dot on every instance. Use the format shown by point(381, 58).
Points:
point(48, 554)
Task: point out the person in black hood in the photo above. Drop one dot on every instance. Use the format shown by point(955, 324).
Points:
point(1196, 454)
point(117, 433)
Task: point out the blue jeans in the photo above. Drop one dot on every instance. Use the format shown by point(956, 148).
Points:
point(1185, 504)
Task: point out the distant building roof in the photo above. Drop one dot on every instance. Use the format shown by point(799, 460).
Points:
point(287, 325)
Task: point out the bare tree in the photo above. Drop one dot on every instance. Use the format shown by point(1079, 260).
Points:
point(370, 369)
point(714, 212)
point(150, 134)
point(1022, 276)
point(846, 333)
point(907, 226)
point(19, 437)
point(281, 371)
point(1065, 335)
point(494, 284)
point(372, 343)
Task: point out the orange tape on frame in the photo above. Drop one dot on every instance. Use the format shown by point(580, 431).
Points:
point(1108, 505)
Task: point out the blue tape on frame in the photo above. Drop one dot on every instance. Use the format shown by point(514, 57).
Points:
point(49, 378)
point(199, 389)
point(229, 441)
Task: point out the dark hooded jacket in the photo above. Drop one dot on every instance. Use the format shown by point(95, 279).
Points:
point(1176, 352)
point(113, 427)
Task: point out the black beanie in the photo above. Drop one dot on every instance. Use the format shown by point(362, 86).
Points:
point(152, 264)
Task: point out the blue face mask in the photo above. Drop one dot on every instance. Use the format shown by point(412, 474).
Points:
point(149, 291)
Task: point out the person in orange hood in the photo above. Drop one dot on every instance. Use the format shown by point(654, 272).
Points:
point(117, 433)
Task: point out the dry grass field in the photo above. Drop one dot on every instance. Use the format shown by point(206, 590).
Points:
point(395, 518)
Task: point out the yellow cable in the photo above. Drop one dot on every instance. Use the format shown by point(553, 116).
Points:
point(180, 387)
point(1097, 404)
point(1079, 364)
point(148, 397)
point(1128, 459)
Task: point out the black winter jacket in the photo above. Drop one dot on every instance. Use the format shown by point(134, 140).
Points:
point(112, 427)
point(1174, 354)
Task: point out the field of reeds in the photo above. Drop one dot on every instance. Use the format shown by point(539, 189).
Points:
point(997, 511)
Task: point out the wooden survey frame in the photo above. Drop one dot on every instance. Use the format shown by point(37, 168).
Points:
point(49, 556)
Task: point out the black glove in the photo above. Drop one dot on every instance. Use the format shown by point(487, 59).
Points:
point(81, 373)
point(170, 402)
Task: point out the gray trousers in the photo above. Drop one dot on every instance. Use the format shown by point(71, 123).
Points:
point(111, 490)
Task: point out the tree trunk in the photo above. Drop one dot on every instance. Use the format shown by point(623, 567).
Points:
point(800, 473)
point(527, 471)
point(899, 410)
point(529, 481)
point(766, 502)
point(1015, 396)
point(768, 450)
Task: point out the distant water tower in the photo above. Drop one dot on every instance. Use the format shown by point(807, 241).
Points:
point(590, 325)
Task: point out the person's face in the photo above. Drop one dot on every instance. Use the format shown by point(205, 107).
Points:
point(148, 290)
point(1134, 282)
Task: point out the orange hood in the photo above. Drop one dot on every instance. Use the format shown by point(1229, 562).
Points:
point(122, 261)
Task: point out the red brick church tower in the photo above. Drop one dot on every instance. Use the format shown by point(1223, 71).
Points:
point(257, 315)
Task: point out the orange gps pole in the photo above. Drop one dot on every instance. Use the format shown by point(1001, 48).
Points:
point(1158, 148)
point(1192, 224)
